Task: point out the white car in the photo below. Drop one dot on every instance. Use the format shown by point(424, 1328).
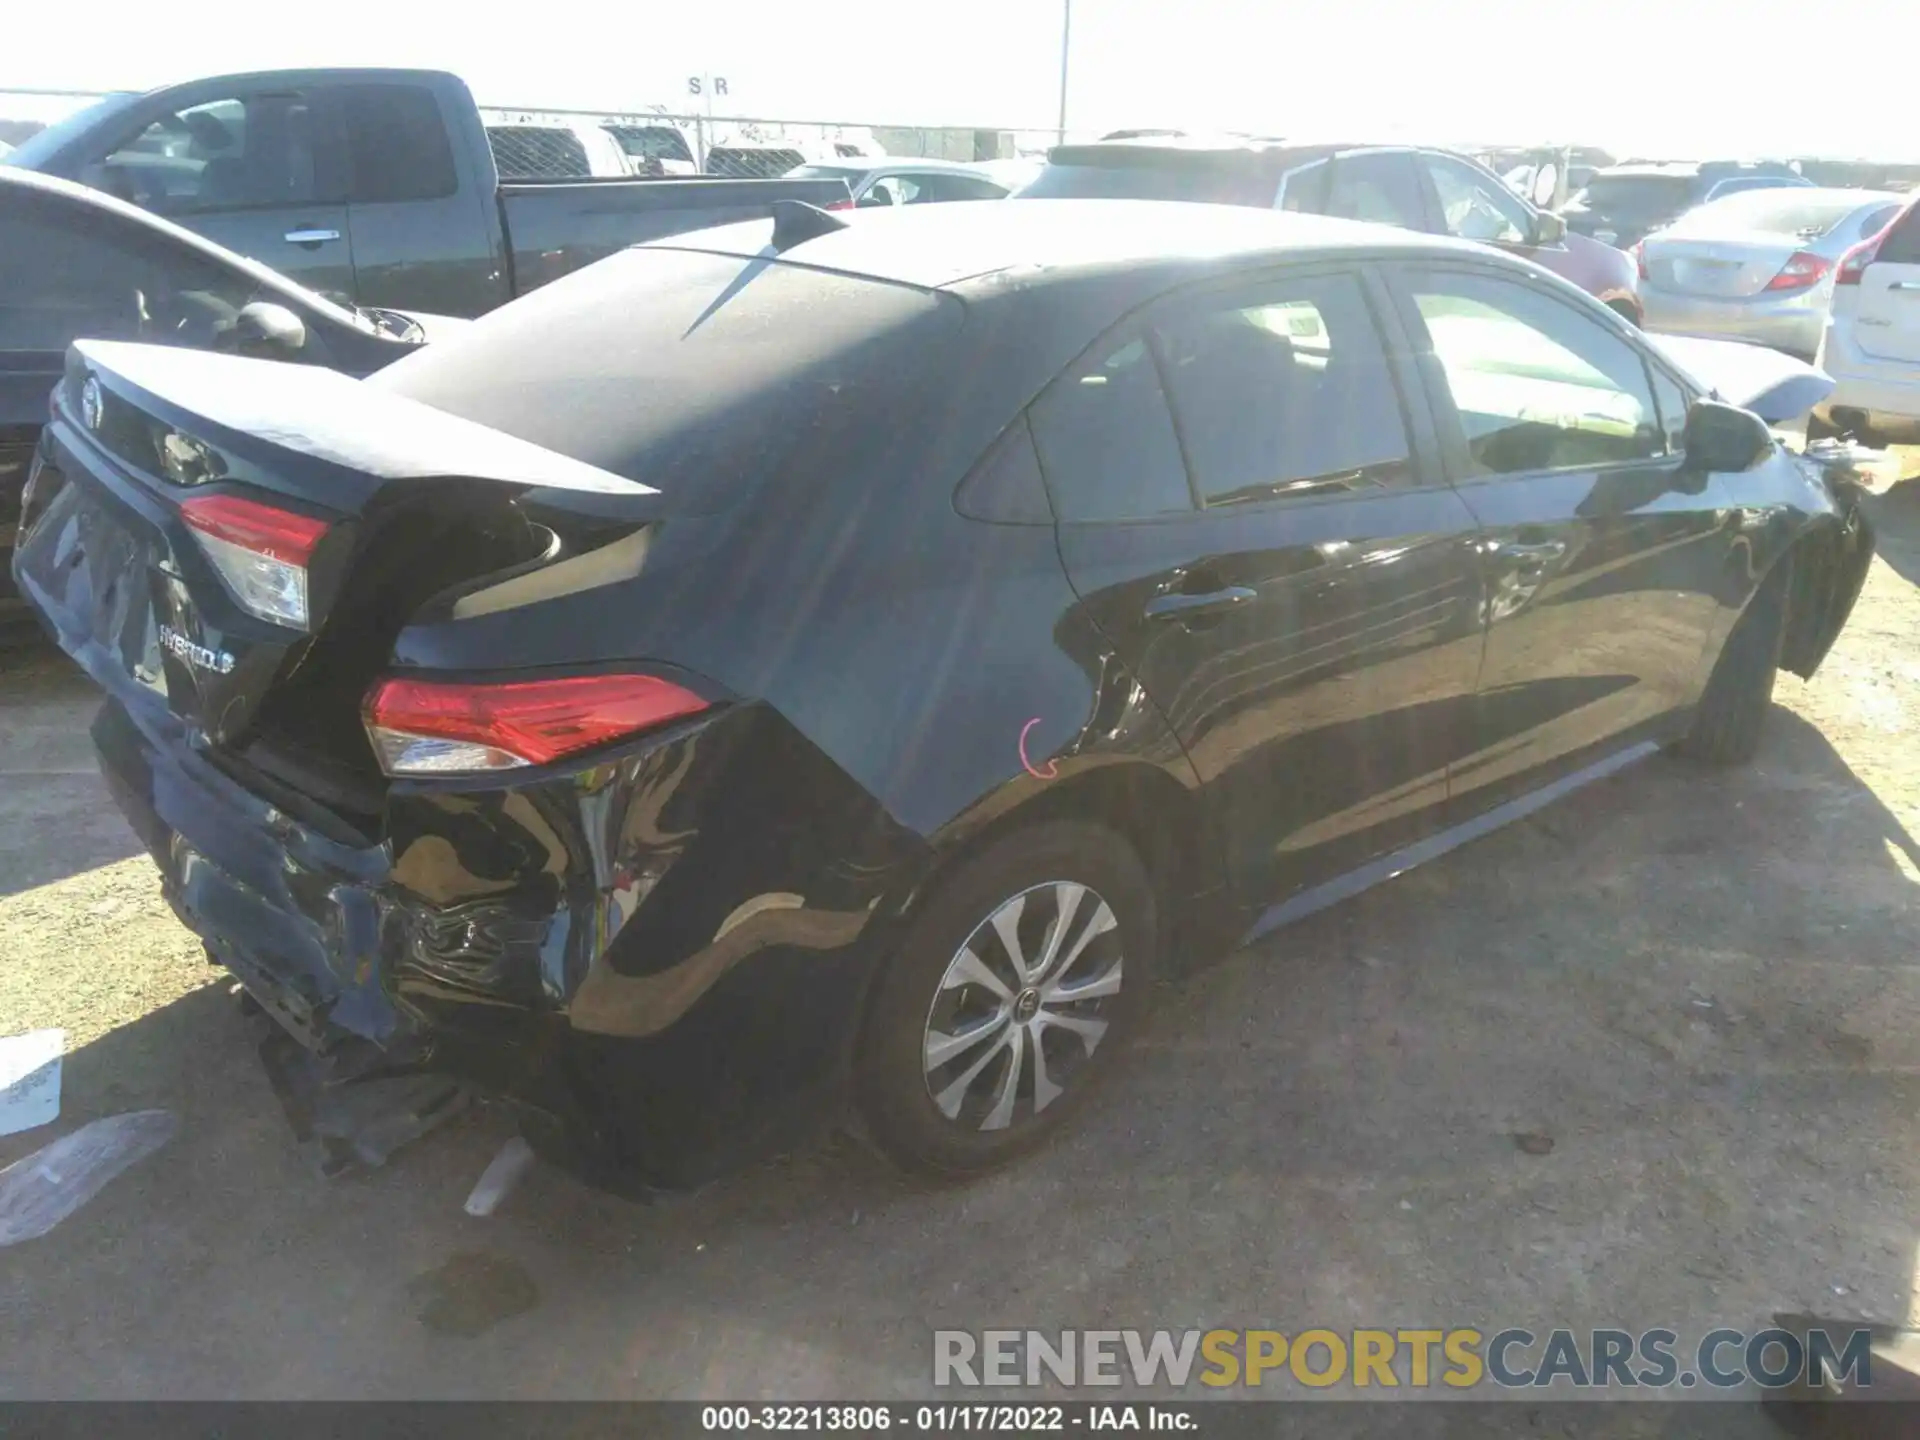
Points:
point(1871, 346)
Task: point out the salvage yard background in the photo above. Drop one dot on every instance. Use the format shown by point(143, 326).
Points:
point(1700, 987)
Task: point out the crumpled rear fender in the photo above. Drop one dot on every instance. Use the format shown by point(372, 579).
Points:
point(1830, 564)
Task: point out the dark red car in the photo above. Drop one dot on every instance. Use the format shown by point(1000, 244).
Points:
point(1414, 187)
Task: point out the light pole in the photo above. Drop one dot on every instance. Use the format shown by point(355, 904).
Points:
point(1066, 50)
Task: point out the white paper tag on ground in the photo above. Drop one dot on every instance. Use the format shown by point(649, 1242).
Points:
point(30, 1079)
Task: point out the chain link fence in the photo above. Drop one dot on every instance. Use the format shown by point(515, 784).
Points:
point(666, 143)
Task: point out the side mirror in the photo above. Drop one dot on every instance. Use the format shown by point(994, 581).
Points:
point(1548, 229)
point(267, 331)
point(1724, 438)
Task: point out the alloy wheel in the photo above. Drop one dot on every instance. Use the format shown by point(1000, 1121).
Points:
point(1022, 1006)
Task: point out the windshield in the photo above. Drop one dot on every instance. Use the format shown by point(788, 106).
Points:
point(34, 152)
point(1221, 184)
point(1638, 193)
point(1802, 213)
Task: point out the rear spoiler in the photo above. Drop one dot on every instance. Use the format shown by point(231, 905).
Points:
point(1776, 387)
point(245, 405)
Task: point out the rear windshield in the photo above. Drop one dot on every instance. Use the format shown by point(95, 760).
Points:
point(1219, 184)
point(651, 142)
point(537, 152)
point(1776, 212)
point(1639, 192)
point(697, 374)
point(752, 163)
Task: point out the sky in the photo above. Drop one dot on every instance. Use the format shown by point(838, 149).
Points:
point(1668, 77)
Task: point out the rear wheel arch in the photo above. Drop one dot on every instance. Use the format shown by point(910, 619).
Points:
point(1154, 813)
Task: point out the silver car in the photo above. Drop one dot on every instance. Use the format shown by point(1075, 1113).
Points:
point(904, 180)
point(1757, 265)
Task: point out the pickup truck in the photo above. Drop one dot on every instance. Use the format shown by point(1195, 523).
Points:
point(375, 186)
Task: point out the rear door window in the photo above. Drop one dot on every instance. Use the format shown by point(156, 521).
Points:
point(1106, 439)
point(397, 142)
point(1380, 186)
point(1284, 391)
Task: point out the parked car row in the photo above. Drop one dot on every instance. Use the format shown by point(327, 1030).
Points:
point(1757, 265)
point(1623, 204)
point(830, 665)
point(1435, 191)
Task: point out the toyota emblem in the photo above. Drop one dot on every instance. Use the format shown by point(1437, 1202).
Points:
point(92, 406)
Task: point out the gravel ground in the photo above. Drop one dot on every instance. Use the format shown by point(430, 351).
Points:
point(1701, 987)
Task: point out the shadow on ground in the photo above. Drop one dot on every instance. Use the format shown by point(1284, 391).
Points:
point(1699, 987)
point(1896, 516)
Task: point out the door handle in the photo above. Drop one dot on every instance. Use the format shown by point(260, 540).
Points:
point(1544, 553)
point(310, 237)
point(1905, 285)
point(1182, 606)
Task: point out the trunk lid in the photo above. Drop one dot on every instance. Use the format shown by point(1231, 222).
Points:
point(407, 500)
point(1718, 267)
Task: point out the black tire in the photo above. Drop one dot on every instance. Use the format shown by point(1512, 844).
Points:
point(1818, 429)
point(1733, 711)
point(1625, 311)
point(896, 1088)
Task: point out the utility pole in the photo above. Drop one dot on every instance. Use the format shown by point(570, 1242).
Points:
point(1066, 51)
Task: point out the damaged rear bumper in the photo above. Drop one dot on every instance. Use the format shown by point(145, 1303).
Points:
point(658, 959)
point(1830, 567)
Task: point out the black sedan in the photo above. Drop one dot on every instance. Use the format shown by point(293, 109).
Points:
point(76, 263)
point(774, 674)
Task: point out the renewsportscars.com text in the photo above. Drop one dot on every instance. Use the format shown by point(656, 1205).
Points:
point(1393, 1359)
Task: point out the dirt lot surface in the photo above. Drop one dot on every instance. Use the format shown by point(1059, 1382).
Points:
point(1701, 987)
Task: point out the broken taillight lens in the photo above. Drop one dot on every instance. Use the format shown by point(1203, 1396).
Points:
point(261, 552)
point(427, 727)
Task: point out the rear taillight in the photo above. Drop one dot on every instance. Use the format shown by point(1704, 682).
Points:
point(1639, 253)
point(426, 727)
point(1854, 263)
point(846, 204)
point(1803, 269)
point(261, 552)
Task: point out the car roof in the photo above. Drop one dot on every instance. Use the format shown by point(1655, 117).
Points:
point(875, 164)
point(935, 247)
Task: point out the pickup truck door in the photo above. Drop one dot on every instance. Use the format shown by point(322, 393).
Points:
point(422, 209)
point(261, 171)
